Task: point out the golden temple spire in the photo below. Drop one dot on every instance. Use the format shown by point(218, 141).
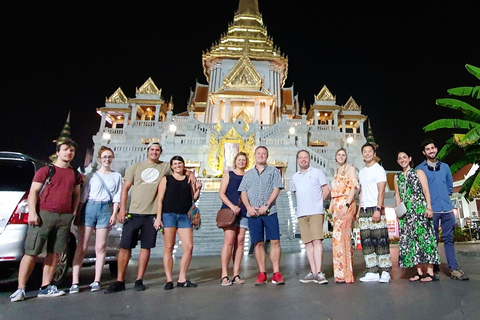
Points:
point(248, 6)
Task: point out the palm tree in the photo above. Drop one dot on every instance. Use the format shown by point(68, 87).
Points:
point(468, 139)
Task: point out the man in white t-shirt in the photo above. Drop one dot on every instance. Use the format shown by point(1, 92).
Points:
point(373, 225)
point(311, 189)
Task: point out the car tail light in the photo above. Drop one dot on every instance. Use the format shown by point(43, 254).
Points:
point(20, 215)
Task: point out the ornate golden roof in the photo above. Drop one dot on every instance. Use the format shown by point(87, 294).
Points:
point(117, 97)
point(351, 105)
point(246, 35)
point(149, 87)
point(324, 95)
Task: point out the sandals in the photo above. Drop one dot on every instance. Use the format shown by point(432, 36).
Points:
point(226, 284)
point(238, 279)
point(416, 277)
point(429, 276)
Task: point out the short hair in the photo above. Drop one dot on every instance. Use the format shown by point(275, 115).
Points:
point(102, 149)
point(177, 158)
point(426, 142)
point(261, 147)
point(303, 151)
point(368, 144)
point(68, 143)
point(241, 153)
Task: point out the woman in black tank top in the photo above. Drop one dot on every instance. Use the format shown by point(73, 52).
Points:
point(175, 196)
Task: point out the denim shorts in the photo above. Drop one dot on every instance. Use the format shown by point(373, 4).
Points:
point(176, 220)
point(97, 214)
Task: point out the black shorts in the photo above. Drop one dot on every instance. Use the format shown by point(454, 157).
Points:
point(139, 227)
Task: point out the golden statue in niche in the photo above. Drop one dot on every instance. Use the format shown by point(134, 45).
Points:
point(222, 153)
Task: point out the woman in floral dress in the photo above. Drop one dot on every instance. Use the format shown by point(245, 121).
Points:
point(343, 209)
point(417, 245)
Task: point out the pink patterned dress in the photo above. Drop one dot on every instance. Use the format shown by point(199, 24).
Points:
point(342, 249)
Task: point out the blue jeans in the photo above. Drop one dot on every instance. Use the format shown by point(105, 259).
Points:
point(448, 224)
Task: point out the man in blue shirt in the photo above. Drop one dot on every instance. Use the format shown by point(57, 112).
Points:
point(440, 183)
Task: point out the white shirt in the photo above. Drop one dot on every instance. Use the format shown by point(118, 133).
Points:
point(368, 178)
point(308, 190)
point(94, 190)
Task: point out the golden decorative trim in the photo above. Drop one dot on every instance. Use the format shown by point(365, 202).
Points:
point(117, 97)
point(351, 105)
point(148, 140)
point(149, 87)
point(324, 95)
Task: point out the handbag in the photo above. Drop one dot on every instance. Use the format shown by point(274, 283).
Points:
point(401, 209)
point(225, 218)
point(195, 217)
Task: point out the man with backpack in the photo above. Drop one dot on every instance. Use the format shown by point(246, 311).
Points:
point(52, 203)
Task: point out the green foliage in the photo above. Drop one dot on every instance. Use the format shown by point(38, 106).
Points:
point(467, 132)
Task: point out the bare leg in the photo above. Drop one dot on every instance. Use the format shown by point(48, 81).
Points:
point(311, 260)
point(168, 243)
point(49, 266)
point(275, 254)
point(260, 256)
point(122, 259)
point(26, 267)
point(186, 236)
point(100, 251)
point(84, 234)
point(317, 255)
point(143, 259)
point(238, 251)
point(228, 245)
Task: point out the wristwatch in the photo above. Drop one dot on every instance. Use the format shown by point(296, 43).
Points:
point(378, 209)
point(266, 204)
point(347, 205)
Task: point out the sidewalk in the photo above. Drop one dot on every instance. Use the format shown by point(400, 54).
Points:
point(400, 299)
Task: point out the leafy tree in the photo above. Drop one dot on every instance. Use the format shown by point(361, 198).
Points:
point(468, 135)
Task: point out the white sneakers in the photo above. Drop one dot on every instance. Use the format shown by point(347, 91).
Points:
point(385, 278)
point(375, 277)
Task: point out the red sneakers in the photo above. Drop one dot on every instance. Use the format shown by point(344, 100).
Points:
point(261, 279)
point(277, 278)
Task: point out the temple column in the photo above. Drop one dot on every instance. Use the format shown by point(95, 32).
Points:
point(361, 128)
point(344, 129)
point(315, 116)
point(335, 117)
point(157, 114)
point(102, 122)
point(226, 111)
point(126, 116)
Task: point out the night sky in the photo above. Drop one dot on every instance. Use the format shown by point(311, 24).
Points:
point(394, 60)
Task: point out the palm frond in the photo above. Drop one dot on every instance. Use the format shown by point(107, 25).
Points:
point(468, 139)
point(467, 185)
point(447, 149)
point(451, 124)
point(475, 188)
point(473, 70)
point(472, 113)
point(474, 92)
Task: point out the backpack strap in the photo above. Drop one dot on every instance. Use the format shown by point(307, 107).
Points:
point(51, 172)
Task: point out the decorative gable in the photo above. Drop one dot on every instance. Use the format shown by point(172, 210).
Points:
point(351, 105)
point(117, 97)
point(243, 76)
point(149, 87)
point(324, 95)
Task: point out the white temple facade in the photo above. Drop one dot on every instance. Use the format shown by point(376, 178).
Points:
point(243, 104)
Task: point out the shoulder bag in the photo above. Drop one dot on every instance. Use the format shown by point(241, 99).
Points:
point(401, 209)
point(226, 217)
point(194, 214)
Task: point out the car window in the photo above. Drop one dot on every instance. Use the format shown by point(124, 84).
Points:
point(16, 175)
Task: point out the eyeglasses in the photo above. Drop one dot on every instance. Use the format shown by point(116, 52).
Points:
point(107, 158)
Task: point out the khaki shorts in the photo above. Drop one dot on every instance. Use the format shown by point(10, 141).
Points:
point(311, 227)
point(54, 230)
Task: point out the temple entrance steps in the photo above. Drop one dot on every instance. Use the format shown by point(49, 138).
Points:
point(208, 240)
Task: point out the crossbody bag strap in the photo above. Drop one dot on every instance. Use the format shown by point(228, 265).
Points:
point(104, 186)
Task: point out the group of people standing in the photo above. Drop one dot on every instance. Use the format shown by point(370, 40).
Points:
point(161, 194)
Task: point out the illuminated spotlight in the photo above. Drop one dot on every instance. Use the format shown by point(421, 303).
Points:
point(172, 128)
point(350, 140)
point(291, 131)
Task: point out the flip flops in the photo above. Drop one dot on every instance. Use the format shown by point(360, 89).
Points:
point(416, 277)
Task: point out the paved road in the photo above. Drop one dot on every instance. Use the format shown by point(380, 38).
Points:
point(445, 299)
